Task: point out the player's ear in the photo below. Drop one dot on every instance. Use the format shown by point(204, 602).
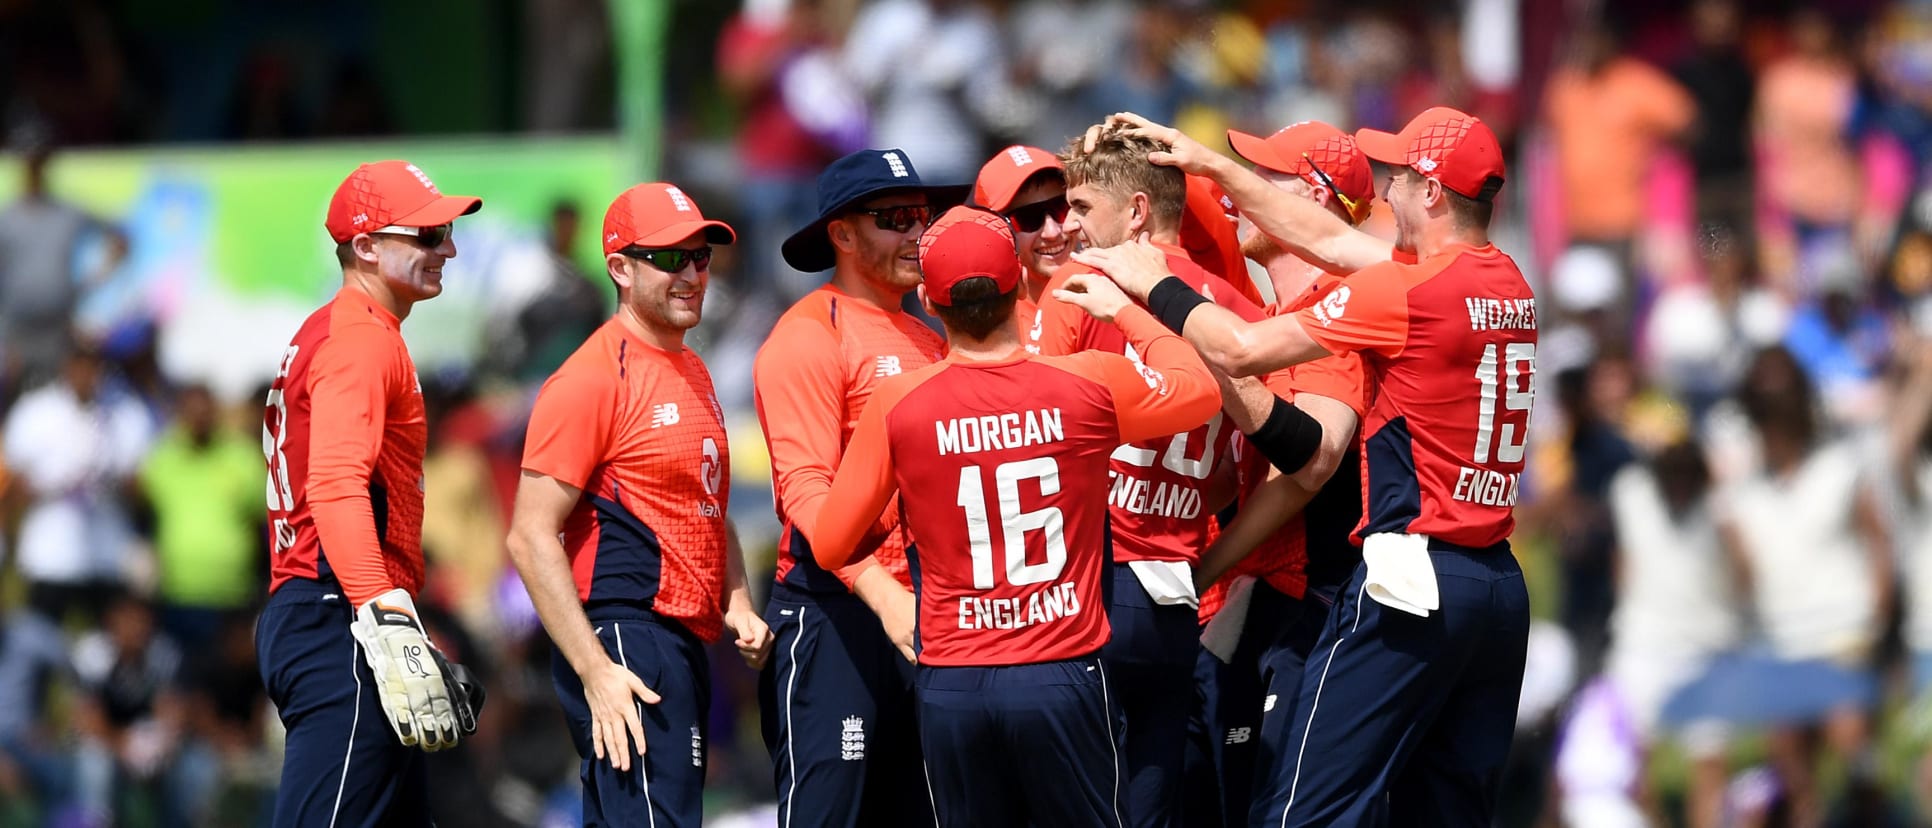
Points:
point(1432, 195)
point(363, 246)
point(620, 272)
point(1138, 209)
point(926, 301)
point(843, 236)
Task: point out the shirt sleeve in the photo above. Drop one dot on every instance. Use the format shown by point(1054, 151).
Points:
point(350, 384)
point(571, 427)
point(800, 392)
point(1368, 311)
point(863, 487)
point(1169, 392)
point(1340, 377)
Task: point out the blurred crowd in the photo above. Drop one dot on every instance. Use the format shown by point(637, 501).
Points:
point(1724, 206)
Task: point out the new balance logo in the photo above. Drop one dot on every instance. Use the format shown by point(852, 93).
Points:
point(678, 199)
point(1239, 735)
point(898, 166)
point(1020, 156)
point(1426, 164)
point(663, 415)
point(887, 366)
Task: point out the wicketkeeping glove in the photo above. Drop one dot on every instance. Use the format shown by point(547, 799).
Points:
point(410, 679)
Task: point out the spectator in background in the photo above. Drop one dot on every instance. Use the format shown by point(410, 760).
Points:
point(204, 482)
point(1910, 444)
point(40, 239)
point(773, 59)
point(128, 715)
point(76, 448)
point(1609, 114)
point(1722, 87)
point(569, 308)
point(33, 657)
point(1816, 550)
point(223, 759)
point(1808, 164)
point(1594, 399)
point(1677, 610)
point(933, 69)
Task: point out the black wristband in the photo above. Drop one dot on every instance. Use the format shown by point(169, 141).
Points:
point(1289, 438)
point(1172, 300)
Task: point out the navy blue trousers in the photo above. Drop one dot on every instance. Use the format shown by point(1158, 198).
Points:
point(1404, 720)
point(839, 718)
point(1029, 744)
point(1151, 660)
point(665, 787)
point(342, 766)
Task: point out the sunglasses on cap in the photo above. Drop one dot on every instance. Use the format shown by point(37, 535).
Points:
point(430, 237)
point(1032, 217)
point(671, 259)
point(898, 219)
point(1349, 204)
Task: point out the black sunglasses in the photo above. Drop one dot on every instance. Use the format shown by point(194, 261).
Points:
point(898, 219)
point(1032, 217)
point(430, 237)
point(671, 259)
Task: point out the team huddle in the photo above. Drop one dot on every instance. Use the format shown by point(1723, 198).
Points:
point(1128, 545)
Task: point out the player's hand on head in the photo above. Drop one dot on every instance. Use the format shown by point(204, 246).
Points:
point(612, 692)
point(1136, 266)
point(1193, 157)
point(408, 672)
point(1094, 293)
point(754, 636)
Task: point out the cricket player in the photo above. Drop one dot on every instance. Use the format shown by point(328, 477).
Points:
point(343, 434)
point(621, 532)
point(1028, 186)
point(1292, 533)
point(1165, 489)
point(1406, 710)
point(837, 700)
point(1001, 459)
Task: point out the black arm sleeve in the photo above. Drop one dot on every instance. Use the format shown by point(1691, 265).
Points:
point(1172, 300)
point(1289, 438)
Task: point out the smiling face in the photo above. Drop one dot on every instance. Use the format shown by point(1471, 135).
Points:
point(1048, 247)
point(412, 271)
point(886, 259)
point(1099, 217)
point(666, 303)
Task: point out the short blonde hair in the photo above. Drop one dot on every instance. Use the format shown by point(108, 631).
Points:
point(1118, 164)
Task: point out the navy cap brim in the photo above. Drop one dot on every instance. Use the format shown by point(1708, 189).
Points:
point(810, 251)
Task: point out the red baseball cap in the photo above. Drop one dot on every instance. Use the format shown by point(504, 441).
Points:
point(658, 214)
point(1449, 145)
point(1003, 177)
point(1302, 148)
point(391, 193)
point(964, 243)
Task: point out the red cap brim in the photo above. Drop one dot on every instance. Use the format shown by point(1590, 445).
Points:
point(1386, 147)
point(715, 232)
point(1256, 150)
point(443, 210)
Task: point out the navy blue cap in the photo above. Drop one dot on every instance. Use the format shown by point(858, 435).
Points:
point(862, 175)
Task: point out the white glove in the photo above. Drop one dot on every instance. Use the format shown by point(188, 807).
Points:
point(409, 679)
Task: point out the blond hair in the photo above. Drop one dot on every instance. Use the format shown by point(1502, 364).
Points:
point(1118, 165)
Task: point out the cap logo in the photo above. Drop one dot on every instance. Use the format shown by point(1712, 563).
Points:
point(678, 199)
point(898, 166)
point(610, 237)
point(1426, 164)
point(1019, 155)
point(413, 170)
point(361, 218)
